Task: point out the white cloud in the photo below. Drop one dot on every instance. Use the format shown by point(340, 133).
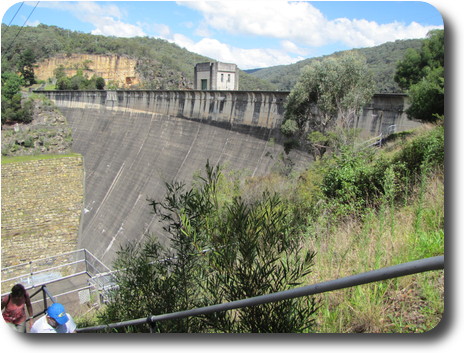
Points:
point(244, 58)
point(105, 17)
point(291, 47)
point(298, 26)
point(160, 30)
point(300, 22)
point(108, 26)
point(33, 23)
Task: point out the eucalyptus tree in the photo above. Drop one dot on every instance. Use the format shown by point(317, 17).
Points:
point(329, 94)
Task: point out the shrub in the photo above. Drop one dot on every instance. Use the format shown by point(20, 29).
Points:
point(427, 148)
point(99, 83)
point(355, 179)
point(251, 250)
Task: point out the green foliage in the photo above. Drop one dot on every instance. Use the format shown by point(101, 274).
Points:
point(99, 83)
point(329, 93)
point(255, 254)
point(428, 148)
point(409, 70)
point(422, 74)
point(11, 85)
point(357, 179)
point(78, 81)
point(289, 127)
point(351, 182)
point(146, 286)
point(428, 96)
point(13, 109)
point(222, 250)
point(26, 66)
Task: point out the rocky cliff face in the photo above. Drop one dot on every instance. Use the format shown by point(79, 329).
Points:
point(119, 70)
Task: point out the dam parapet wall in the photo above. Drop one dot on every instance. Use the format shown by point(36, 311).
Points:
point(386, 113)
point(253, 108)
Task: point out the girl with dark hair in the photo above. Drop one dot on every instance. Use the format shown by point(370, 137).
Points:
point(14, 308)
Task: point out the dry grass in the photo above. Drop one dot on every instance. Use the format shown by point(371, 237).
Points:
point(384, 238)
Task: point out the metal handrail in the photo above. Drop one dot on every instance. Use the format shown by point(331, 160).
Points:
point(46, 294)
point(409, 268)
point(91, 268)
point(48, 258)
point(44, 271)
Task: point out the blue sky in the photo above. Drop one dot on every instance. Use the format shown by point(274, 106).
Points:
point(249, 33)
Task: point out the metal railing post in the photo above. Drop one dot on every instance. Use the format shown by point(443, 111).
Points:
point(44, 299)
point(85, 262)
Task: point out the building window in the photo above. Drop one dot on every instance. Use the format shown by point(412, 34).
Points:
point(204, 85)
point(228, 78)
point(222, 77)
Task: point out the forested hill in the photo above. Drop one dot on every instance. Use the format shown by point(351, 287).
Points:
point(155, 56)
point(382, 60)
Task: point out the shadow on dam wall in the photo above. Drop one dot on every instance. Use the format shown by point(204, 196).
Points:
point(133, 142)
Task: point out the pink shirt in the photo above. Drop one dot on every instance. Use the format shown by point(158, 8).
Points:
point(15, 313)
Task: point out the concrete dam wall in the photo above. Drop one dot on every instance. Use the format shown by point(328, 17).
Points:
point(135, 141)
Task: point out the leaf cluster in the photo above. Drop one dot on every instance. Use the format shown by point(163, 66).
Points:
point(329, 94)
point(77, 82)
point(358, 179)
point(14, 108)
point(422, 74)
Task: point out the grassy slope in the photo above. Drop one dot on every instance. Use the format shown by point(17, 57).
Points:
point(390, 234)
point(384, 238)
point(393, 233)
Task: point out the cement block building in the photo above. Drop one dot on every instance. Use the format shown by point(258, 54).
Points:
point(216, 76)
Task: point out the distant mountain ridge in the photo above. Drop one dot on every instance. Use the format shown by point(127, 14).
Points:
point(381, 59)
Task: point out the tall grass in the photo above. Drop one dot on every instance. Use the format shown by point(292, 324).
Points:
point(364, 210)
point(405, 223)
point(382, 238)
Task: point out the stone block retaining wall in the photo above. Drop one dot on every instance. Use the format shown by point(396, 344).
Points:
point(41, 207)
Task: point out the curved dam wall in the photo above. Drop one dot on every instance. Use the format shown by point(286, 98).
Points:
point(135, 141)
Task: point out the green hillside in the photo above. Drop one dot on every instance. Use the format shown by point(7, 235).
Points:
point(156, 56)
point(381, 59)
point(160, 57)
